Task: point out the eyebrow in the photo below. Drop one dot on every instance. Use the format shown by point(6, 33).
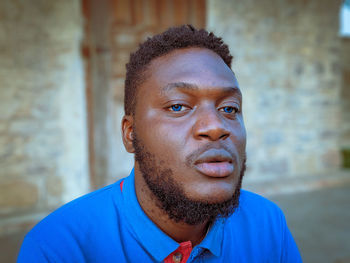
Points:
point(184, 86)
point(180, 86)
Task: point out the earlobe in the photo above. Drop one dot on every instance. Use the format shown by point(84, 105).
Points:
point(127, 133)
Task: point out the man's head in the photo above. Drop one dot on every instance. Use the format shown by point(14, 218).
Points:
point(185, 124)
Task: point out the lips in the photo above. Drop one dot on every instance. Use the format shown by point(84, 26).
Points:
point(216, 163)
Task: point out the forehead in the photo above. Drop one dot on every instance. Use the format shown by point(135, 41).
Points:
point(199, 66)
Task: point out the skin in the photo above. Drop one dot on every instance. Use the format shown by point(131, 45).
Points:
point(189, 104)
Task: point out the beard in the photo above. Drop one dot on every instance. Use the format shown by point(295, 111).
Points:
point(170, 196)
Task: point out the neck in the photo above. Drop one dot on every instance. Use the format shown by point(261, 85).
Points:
point(179, 231)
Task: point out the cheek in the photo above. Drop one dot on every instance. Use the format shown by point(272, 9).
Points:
point(163, 139)
point(240, 137)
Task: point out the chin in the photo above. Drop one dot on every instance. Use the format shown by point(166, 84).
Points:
point(212, 192)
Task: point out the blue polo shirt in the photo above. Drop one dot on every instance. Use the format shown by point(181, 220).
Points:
point(109, 225)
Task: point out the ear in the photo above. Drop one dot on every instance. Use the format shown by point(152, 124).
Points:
point(127, 133)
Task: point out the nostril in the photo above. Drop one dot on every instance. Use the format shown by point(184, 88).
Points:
point(224, 136)
point(212, 130)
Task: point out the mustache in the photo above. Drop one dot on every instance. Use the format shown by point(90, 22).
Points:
point(191, 158)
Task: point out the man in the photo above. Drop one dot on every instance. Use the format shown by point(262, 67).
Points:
point(182, 201)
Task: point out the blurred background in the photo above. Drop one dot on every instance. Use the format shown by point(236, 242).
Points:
point(62, 68)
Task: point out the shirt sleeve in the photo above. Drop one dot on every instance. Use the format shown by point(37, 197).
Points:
point(31, 252)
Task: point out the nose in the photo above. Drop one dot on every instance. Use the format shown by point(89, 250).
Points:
point(210, 125)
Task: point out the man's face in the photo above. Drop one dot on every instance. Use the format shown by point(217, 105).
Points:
point(188, 126)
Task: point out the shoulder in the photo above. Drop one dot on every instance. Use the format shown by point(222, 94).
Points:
point(258, 228)
point(255, 210)
point(88, 203)
point(254, 203)
point(73, 229)
point(79, 214)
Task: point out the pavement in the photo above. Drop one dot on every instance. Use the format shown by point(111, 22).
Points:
point(319, 221)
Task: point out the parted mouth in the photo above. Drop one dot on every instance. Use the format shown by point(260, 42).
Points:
point(214, 156)
point(215, 163)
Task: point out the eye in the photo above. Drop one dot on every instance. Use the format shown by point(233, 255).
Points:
point(229, 109)
point(176, 107)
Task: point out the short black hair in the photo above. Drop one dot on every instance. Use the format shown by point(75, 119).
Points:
point(158, 45)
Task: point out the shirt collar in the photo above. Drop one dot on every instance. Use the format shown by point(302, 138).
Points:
point(214, 238)
point(154, 240)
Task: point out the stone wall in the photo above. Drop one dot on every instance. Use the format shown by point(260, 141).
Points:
point(287, 60)
point(345, 102)
point(43, 144)
point(345, 93)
